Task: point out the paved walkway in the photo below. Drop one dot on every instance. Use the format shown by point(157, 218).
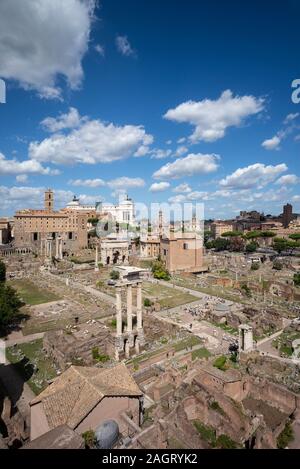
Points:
point(19, 338)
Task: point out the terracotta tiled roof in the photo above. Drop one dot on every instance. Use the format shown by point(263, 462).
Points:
point(72, 396)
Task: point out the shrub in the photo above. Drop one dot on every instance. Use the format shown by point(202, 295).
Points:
point(285, 437)
point(89, 438)
point(246, 290)
point(115, 275)
point(251, 247)
point(297, 279)
point(220, 363)
point(277, 265)
point(255, 266)
point(95, 353)
point(147, 302)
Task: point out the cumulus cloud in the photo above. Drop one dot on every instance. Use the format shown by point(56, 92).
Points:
point(124, 46)
point(191, 165)
point(257, 175)
point(91, 142)
point(212, 118)
point(288, 179)
point(23, 167)
point(159, 154)
point(126, 183)
point(87, 182)
point(181, 150)
point(159, 186)
point(22, 178)
point(182, 188)
point(142, 151)
point(272, 143)
point(41, 41)
point(64, 121)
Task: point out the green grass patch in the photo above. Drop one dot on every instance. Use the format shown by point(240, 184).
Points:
point(207, 433)
point(200, 353)
point(31, 294)
point(187, 343)
point(32, 364)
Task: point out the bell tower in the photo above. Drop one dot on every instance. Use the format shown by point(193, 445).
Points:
point(49, 200)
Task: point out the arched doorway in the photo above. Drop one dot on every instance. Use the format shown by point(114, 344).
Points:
point(108, 260)
point(116, 257)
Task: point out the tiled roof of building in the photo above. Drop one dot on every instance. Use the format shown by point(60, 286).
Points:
point(73, 395)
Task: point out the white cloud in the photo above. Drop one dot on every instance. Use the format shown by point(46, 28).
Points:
point(182, 188)
point(212, 118)
point(142, 151)
point(159, 186)
point(272, 143)
point(22, 178)
point(100, 49)
point(70, 120)
point(288, 179)
point(177, 199)
point(257, 175)
point(126, 183)
point(181, 140)
point(291, 117)
point(124, 46)
point(23, 167)
point(91, 142)
point(290, 127)
point(87, 182)
point(41, 41)
point(191, 165)
point(296, 198)
point(181, 150)
point(159, 154)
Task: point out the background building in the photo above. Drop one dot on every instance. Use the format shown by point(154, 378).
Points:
point(34, 227)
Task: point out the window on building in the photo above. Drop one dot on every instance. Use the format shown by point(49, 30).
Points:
point(185, 246)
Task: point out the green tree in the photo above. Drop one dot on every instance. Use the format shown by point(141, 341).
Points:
point(295, 237)
point(231, 234)
point(2, 271)
point(280, 244)
point(221, 244)
point(252, 234)
point(10, 305)
point(159, 271)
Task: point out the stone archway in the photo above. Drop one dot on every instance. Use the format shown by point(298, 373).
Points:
point(108, 260)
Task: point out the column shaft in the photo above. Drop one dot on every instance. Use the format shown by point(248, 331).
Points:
point(129, 308)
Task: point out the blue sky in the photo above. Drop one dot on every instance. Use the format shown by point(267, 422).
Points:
point(169, 101)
